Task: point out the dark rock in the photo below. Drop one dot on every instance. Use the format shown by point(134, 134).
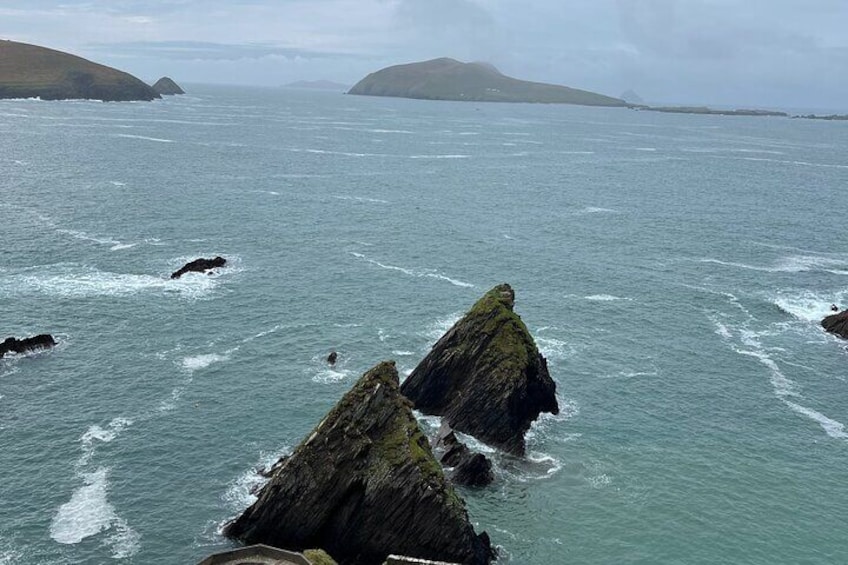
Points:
point(362, 485)
point(331, 358)
point(469, 468)
point(199, 266)
point(167, 87)
point(485, 376)
point(14, 345)
point(837, 324)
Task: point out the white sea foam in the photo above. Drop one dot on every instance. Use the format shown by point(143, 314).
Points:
point(143, 137)
point(791, 264)
point(398, 353)
point(594, 210)
point(87, 513)
point(809, 306)
point(360, 199)
point(831, 427)
point(414, 273)
point(438, 328)
point(796, 163)
point(455, 156)
point(96, 434)
point(329, 376)
point(197, 362)
point(648, 149)
point(121, 246)
point(606, 298)
point(117, 183)
point(240, 492)
point(553, 348)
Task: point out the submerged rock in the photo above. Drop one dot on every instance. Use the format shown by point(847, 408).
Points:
point(199, 266)
point(364, 484)
point(15, 345)
point(485, 376)
point(331, 358)
point(837, 324)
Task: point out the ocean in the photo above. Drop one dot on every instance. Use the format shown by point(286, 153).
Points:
point(672, 268)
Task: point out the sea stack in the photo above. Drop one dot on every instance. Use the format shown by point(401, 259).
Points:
point(485, 376)
point(364, 484)
point(837, 324)
point(167, 87)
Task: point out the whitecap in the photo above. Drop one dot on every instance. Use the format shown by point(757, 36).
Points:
point(360, 199)
point(809, 306)
point(455, 156)
point(117, 183)
point(595, 210)
point(413, 273)
point(121, 246)
point(606, 298)
point(143, 137)
point(329, 376)
point(398, 353)
point(87, 513)
point(197, 362)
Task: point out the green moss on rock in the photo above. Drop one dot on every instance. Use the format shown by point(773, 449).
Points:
point(319, 557)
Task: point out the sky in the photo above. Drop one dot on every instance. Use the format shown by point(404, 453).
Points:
point(762, 53)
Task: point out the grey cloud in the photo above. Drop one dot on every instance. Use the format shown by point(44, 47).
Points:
point(209, 51)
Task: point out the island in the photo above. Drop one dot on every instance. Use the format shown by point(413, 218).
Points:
point(449, 79)
point(704, 110)
point(30, 71)
point(167, 87)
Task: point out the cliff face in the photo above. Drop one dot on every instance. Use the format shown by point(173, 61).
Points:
point(364, 484)
point(448, 79)
point(485, 376)
point(29, 71)
point(167, 87)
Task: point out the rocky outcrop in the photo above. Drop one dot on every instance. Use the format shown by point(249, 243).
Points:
point(469, 468)
point(837, 324)
point(30, 71)
point(14, 345)
point(167, 87)
point(362, 485)
point(199, 266)
point(485, 376)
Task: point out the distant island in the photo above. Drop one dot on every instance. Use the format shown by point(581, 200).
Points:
point(318, 85)
point(30, 71)
point(448, 79)
point(709, 111)
point(167, 87)
point(631, 97)
point(830, 117)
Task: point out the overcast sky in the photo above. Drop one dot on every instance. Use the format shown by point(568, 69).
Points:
point(779, 53)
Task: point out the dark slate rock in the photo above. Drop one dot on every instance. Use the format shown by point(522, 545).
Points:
point(485, 376)
point(837, 324)
point(362, 485)
point(199, 266)
point(14, 345)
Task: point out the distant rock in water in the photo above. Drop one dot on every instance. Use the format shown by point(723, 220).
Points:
point(199, 266)
point(167, 87)
point(485, 376)
point(331, 358)
point(364, 484)
point(449, 79)
point(30, 71)
point(14, 345)
point(837, 324)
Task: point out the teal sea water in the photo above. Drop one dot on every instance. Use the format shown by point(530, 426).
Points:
point(672, 268)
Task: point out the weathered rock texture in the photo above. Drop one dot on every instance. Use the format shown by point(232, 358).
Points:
point(199, 266)
point(167, 87)
point(485, 376)
point(364, 484)
point(28, 71)
point(837, 324)
point(14, 345)
point(469, 468)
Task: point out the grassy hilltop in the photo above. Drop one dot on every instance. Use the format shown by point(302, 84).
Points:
point(29, 71)
point(448, 79)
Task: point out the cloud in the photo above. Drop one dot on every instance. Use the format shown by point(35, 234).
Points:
point(210, 51)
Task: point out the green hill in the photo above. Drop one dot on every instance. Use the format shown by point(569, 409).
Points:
point(29, 71)
point(448, 79)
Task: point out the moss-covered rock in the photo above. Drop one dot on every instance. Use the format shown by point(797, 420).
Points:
point(486, 375)
point(319, 557)
point(362, 485)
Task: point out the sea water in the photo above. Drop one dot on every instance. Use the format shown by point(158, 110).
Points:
point(672, 268)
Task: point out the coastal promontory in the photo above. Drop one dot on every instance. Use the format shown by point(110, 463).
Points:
point(364, 484)
point(30, 71)
point(485, 376)
point(449, 79)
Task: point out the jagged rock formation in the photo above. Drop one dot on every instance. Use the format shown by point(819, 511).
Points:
point(837, 324)
point(364, 484)
point(199, 266)
point(14, 345)
point(449, 79)
point(30, 71)
point(167, 87)
point(469, 468)
point(485, 376)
